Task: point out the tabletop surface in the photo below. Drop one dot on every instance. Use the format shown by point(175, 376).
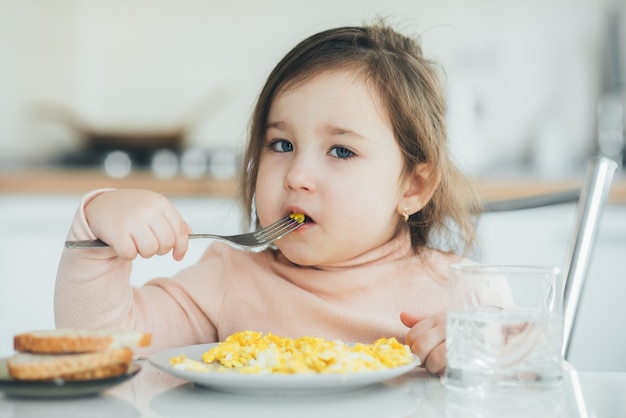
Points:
point(153, 393)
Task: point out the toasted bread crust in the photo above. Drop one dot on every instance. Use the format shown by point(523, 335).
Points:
point(103, 373)
point(61, 344)
point(85, 366)
point(79, 341)
point(145, 340)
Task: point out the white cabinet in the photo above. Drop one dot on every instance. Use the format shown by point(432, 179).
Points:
point(543, 236)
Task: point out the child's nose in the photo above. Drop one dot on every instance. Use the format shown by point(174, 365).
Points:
point(301, 174)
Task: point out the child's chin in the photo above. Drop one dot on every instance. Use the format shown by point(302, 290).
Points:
point(301, 257)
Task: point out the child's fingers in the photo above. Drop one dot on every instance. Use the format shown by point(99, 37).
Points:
point(436, 361)
point(126, 249)
point(146, 240)
point(181, 231)
point(409, 319)
point(425, 335)
point(147, 246)
point(422, 341)
point(138, 222)
point(165, 236)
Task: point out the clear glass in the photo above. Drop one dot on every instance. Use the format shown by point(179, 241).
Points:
point(505, 327)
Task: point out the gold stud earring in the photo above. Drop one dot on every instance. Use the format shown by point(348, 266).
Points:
point(405, 213)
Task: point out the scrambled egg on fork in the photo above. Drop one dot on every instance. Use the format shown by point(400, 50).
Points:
point(251, 352)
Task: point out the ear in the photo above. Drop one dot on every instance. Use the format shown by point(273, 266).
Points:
point(419, 188)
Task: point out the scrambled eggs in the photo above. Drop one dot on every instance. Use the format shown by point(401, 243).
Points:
point(254, 353)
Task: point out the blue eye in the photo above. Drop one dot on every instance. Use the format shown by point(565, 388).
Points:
point(281, 145)
point(341, 152)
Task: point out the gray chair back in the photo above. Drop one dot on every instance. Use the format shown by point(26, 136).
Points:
point(591, 197)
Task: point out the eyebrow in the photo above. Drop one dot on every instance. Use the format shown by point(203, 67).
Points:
point(329, 129)
point(337, 131)
point(277, 125)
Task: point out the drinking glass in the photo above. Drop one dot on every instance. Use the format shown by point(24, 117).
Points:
point(504, 327)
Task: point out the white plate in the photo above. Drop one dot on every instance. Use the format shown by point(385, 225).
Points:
point(274, 384)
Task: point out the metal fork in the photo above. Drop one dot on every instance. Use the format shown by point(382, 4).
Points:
point(260, 238)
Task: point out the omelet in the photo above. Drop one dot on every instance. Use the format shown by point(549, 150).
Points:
point(250, 352)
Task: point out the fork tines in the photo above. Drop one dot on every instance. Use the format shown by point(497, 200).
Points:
point(277, 230)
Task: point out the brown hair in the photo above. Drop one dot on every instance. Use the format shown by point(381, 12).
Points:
point(409, 88)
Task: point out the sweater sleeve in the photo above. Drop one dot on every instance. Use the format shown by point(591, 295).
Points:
point(93, 290)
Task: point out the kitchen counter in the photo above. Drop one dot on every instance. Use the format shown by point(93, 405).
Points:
point(512, 188)
point(81, 181)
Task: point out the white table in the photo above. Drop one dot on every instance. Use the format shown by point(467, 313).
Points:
point(153, 393)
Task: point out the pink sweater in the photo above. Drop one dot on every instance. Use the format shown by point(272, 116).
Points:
point(230, 290)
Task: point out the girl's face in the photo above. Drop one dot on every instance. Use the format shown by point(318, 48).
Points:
point(330, 153)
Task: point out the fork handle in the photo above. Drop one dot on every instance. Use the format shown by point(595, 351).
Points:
point(98, 243)
point(90, 243)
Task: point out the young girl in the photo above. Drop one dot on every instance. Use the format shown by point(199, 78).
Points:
point(349, 130)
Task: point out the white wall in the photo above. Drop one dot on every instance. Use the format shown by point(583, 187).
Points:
point(522, 76)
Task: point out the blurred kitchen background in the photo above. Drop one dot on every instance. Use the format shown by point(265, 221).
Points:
point(80, 79)
point(157, 94)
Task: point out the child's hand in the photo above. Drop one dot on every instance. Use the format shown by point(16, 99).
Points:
point(427, 339)
point(138, 222)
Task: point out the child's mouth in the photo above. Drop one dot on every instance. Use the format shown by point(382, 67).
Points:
point(301, 217)
point(307, 219)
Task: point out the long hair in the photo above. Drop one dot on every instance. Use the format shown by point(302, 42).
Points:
point(409, 88)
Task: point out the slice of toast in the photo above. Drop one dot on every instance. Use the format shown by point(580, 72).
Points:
point(85, 366)
point(69, 340)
